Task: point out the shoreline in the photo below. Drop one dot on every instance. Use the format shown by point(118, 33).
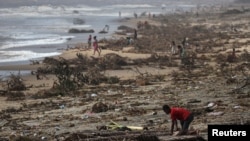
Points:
point(69, 52)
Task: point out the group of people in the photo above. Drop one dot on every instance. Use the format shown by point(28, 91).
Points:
point(176, 113)
point(180, 49)
point(184, 116)
point(96, 47)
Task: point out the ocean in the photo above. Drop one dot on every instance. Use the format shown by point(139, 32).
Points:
point(34, 29)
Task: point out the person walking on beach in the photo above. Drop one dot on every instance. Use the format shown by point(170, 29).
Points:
point(89, 41)
point(96, 47)
point(183, 115)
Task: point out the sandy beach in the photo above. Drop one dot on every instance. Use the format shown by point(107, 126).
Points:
point(129, 82)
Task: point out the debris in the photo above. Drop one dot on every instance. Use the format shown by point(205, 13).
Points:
point(237, 107)
point(62, 106)
point(115, 126)
point(99, 107)
point(215, 113)
point(3, 122)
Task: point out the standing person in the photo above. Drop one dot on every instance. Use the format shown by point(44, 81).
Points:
point(173, 50)
point(135, 34)
point(135, 15)
point(232, 57)
point(183, 115)
point(89, 41)
point(96, 47)
point(181, 53)
point(149, 15)
point(120, 14)
point(184, 42)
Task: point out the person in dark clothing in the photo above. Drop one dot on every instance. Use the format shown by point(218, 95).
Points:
point(182, 53)
point(173, 47)
point(89, 41)
point(135, 34)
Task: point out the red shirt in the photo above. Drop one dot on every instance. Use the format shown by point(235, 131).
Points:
point(179, 113)
point(95, 44)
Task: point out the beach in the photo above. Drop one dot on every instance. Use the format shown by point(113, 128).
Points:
point(32, 32)
point(37, 31)
point(130, 81)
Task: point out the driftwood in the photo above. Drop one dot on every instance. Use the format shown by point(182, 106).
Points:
point(15, 83)
point(247, 83)
point(3, 92)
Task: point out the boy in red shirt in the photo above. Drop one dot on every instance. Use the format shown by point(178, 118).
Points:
point(183, 115)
